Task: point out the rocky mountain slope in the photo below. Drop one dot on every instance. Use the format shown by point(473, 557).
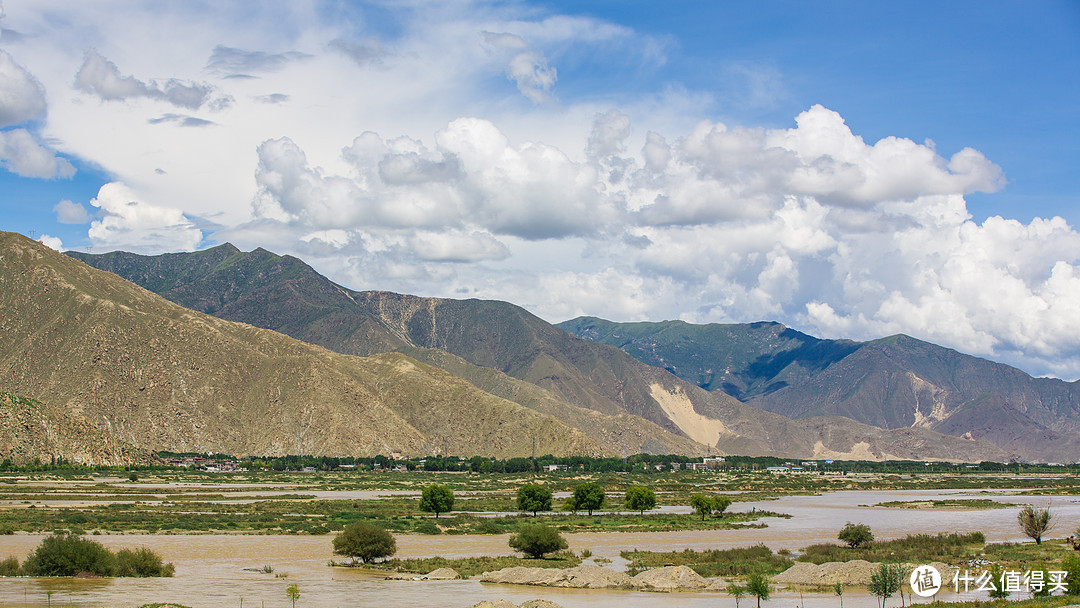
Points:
point(893, 383)
point(31, 431)
point(509, 352)
point(159, 376)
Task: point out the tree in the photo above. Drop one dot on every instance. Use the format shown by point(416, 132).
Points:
point(364, 542)
point(536, 540)
point(838, 589)
point(1034, 522)
point(533, 497)
point(588, 496)
point(735, 591)
point(570, 504)
point(720, 504)
point(757, 585)
point(437, 499)
point(856, 535)
point(885, 581)
point(640, 498)
point(703, 505)
point(293, 593)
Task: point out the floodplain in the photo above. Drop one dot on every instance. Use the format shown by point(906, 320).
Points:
point(247, 535)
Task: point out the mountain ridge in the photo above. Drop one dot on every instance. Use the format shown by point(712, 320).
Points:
point(893, 382)
point(483, 339)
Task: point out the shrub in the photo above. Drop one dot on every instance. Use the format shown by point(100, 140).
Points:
point(427, 527)
point(856, 535)
point(1071, 566)
point(640, 498)
point(533, 497)
point(68, 555)
point(437, 499)
point(1034, 522)
point(10, 566)
point(536, 540)
point(588, 497)
point(364, 542)
point(141, 562)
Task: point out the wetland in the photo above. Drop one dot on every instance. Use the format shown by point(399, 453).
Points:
point(250, 535)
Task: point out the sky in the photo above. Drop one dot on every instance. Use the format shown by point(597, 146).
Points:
point(852, 170)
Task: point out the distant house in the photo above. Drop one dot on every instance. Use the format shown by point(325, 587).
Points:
point(556, 467)
point(696, 466)
point(776, 469)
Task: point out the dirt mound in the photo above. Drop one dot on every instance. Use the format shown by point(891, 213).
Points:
point(581, 577)
point(540, 604)
point(498, 604)
point(856, 572)
point(669, 578)
point(442, 574)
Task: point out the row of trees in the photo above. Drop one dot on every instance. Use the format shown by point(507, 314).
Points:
point(535, 498)
point(367, 543)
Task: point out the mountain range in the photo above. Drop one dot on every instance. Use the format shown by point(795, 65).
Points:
point(893, 383)
point(112, 356)
point(618, 401)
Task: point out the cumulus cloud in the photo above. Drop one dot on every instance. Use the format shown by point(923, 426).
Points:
point(134, 225)
point(51, 242)
point(69, 212)
point(22, 97)
point(101, 77)
point(21, 154)
point(473, 178)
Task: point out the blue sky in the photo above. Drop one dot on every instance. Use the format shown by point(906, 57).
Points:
point(849, 169)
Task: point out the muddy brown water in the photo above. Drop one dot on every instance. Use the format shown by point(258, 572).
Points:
point(224, 570)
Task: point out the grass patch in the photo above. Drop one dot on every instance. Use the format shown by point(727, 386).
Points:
point(914, 548)
point(469, 566)
point(956, 504)
point(758, 559)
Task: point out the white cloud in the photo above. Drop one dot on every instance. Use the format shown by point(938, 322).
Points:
point(128, 223)
point(21, 154)
point(51, 242)
point(22, 97)
point(68, 212)
point(433, 158)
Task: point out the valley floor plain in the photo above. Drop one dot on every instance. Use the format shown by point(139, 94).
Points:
point(239, 536)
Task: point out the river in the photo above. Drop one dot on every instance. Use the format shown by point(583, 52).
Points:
point(222, 570)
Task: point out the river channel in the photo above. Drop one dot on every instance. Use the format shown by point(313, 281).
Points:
point(223, 570)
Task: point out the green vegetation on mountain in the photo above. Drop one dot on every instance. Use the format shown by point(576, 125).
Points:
point(892, 383)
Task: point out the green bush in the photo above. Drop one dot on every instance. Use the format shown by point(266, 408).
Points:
point(536, 540)
point(427, 527)
point(141, 562)
point(68, 555)
point(10, 567)
point(364, 542)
